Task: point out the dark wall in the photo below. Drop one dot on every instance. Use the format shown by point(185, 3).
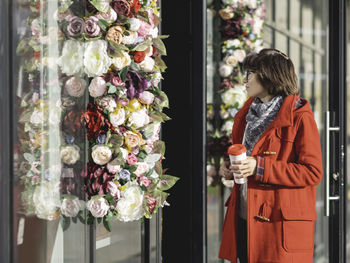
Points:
point(184, 222)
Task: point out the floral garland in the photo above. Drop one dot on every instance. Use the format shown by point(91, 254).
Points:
point(112, 49)
point(241, 29)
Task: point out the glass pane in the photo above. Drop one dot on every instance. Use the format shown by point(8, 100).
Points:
point(50, 143)
point(122, 245)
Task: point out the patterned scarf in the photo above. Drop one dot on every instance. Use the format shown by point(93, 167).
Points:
point(259, 117)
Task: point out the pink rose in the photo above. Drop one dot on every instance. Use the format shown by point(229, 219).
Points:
point(98, 207)
point(116, 81)
point(141, 168)
point(239, 54)
point(131, 159)
point(110, 16)
point(144, 181)
point(97, 87)
point(151, 203)
point(113, 189)
point(113, 169)
point(144, 29)
point(146, 97)
point(75, 86)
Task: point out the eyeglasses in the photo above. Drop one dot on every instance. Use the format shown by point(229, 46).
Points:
point(247, 74)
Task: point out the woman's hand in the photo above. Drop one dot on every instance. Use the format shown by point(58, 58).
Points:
point(225, 170)
point(244, 168)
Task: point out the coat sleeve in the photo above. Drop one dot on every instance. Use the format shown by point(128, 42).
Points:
point(306, 170)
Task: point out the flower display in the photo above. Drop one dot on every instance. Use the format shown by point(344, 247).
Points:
point(112, 51)
point(241, 32)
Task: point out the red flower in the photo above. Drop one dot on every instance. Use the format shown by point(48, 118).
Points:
point(72, 123)
point(135, 6)
point(96, 122)
point(139, 56)
point(122, 7)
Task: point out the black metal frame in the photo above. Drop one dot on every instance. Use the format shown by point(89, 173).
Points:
point(184, 223)
point(337, 108)
point(6, 154)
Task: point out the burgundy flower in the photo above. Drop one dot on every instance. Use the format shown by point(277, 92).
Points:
point(72, 123)
point(96, 122)
point(122, 7)
point(226, 84)
point(96, 179)
point(232, 29)
point(135, 84)
point(151, 203)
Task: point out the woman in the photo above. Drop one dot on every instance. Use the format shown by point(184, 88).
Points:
point(271, 217)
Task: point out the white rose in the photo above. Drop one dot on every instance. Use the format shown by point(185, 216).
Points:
point(252, 4)
point(231, 60)
point(147, 64)
point(109, 16)
point(113, 169)
point(75, 86)
point(234, 95)
point(98, 207)
point(142, 168)
point(139, 119)
point(46, 199)
point(96, 59)
point(107, 102)
point(71, 60)
point(101, 154)
point(134, 24)
point(98, 87)
point(225, 70)
point(149, 51)
point(258, 25)
point(233, 43)
point(227, 127)
point(130, 206)
point(70, 154)
point(154, 32)
point(118, 118)
point(155, 135)
point(239, 54)
point(230, 2)
point(37, 117)
point(156, 78)
point(129, 39)
point(122, 61)
point(146, 97)
point(71, 207)
point(124, 153)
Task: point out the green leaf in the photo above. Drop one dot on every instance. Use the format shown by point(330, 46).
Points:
point(159, 45)
point(166, 182)
point(142, 155)
point(132, 168)
point(118, 51)
point(156, 116)
point(148, 131)
point(75, 220)
point(99, 220)
point(143, 46)
point(65, 223)
point(23, 47)
point(158, 167)
point(116, 139)
point(123, 72)
point(164, 101)
point(30, 158)
point(64, 5)
point(90, 219)
point(159, 147)
point(81, 218)
point(162, 196)
point(143, 15)
point(107, 224)
point(103, 24)
point(101, 5)
point(160, 63)
point(112, 89)
point(163, 36)
point(133, 66)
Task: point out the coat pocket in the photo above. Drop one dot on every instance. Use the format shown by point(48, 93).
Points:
point(298, 230)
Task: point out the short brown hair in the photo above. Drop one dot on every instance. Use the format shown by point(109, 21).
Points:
point(275, 71)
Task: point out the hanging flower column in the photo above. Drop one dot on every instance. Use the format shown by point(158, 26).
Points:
point(241, 29)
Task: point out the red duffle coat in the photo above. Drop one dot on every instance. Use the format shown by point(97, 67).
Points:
point(281, 206)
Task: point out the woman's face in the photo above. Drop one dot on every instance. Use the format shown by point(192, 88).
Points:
point(254, 87)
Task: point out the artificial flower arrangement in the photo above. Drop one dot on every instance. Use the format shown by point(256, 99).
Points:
point(241, 30)
point(112, 50)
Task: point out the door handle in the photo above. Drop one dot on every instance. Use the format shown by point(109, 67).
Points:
point(328, 197)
